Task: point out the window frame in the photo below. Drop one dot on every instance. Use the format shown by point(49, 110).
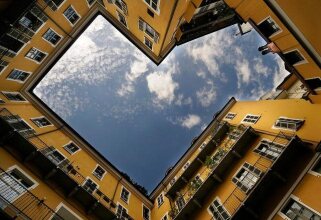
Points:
point(70, 152)
point(54, 45)
point(160, 198)
point(35, 183)
point(3, 64)
point(165, 215)
point(96, 175)
point(55, 149)
point(150, 6)
point(311, 171)
point(38, 125)
point(4, 93)
point(186, 165)
point(62, 3)
point(79, 17)
point(287, 129)
point(228, 116)
point(270, 142)
point(221, 204)
point(147, 39)
point(249, 115)
point(121, 193)
point(304, 61)
point(36, 61)
point(123, 208)
point(149, 212)
point(17, 80)
point(277, 32)
point(317, 77)
point(97, 186)
point(119, 14)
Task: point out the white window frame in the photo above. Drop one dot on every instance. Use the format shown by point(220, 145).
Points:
point(149, 216)
point(304, 61)
point(160, 198)
point(70, 152)
point(186, 165)
point(97, 186)
point(270, 141)
point(221, 204)
point(68, 209)
point(314, 164)
point(90, 5)
point(158, 6)
point(276, 33)
point(41, 117)
point(21, 119)
point(165, 215)
point(249, 171)
point(287, 129)
point(63, 13)
point(2, 102)
point(25, 174)
point(298, 200)
point(43, 22)
point(121, 192)
point(151, 41)
point(119, 19)
point(173, 181)
point(55, 149)
point(62, 3)
point(38, 62)
point(54, 45)
point(250, 115)
point(16, 80)
point(96, 175)
point(121, 217)
point(230, 116)
point(144, 30)
point(202, 146)
point(4, 66)
point(15, 93)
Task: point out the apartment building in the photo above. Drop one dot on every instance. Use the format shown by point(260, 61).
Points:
point(255, 160)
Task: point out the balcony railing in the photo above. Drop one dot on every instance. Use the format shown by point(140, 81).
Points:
point(217, 136)
point(29, 148)
point(250, 204)
point(230, 150)
point(17, 202)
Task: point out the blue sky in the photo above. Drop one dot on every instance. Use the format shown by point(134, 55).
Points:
point(143, 117)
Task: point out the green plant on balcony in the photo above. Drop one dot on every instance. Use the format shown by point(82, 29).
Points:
point(209, 162)
point(173, 212)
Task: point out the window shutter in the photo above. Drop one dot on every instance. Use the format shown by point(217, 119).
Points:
point(141, 24)
point(156, 37)
point(124, 7)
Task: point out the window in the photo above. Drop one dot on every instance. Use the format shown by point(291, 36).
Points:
point(294, 57)
point(10, 46)
point(35, 55)
point(172, 181)
point(125, 195)
point(150, 13)
point(251, 119)
point(71, 148)
point(268, 27)
point(41, 122)
point(71, 14)
point(218, 210)
point(54, 156)
point(13, 184)
point(196, 182)
point(146, 213)
point(63, 212)
point(289, 123)
point(314, 83)
point(202, 146)
point(1, 101)
point(90, 2)
point(230, 116)
point(3, 65)
point(121, 4)
point(143, 26)
point(180, 203)
point(18, 75)
point(54, 4)
point(122, 18)
point(90, 186)
point(160, 200)
point(246, 177)
point(269, 149)
point(14, 96)
point(317, 167)
point(186, 165)
point(121, 212)
point(99, 172)
point(148, 43)
point(19, 125)
point(51, 36)
point(296, 210)
point(154, 4)
point(33, 19)
point(165, 217)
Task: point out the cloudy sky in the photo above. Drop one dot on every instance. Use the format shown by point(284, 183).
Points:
point(143, 117)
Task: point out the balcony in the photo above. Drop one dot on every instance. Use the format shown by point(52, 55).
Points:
point(274, 181)
point(226, 155)
point(62, 175)
point(17, 202)
point(219, 132)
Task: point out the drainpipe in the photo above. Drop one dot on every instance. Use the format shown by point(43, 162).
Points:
point(115, 191)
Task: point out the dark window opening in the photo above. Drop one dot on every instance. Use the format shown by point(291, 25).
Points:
point(314, 83)
point(268, 27)
point(150, 12)
point(11, 43)
point(293, 57)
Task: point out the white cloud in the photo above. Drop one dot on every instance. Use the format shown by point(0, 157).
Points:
point(207, 95)
point(279, 72)
point(243, 72)
point(182, 101)
point(201, 74)
point(259, 67)
point(162, 86)
point(190, 121)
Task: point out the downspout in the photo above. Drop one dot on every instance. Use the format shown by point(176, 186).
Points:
point(113, 198)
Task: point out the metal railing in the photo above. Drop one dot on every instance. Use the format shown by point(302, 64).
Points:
point(19, 203)
point(219, 154)
point(237, 197)
point(66, 166)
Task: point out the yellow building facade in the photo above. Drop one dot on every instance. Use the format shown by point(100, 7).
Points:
point(255, 160)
